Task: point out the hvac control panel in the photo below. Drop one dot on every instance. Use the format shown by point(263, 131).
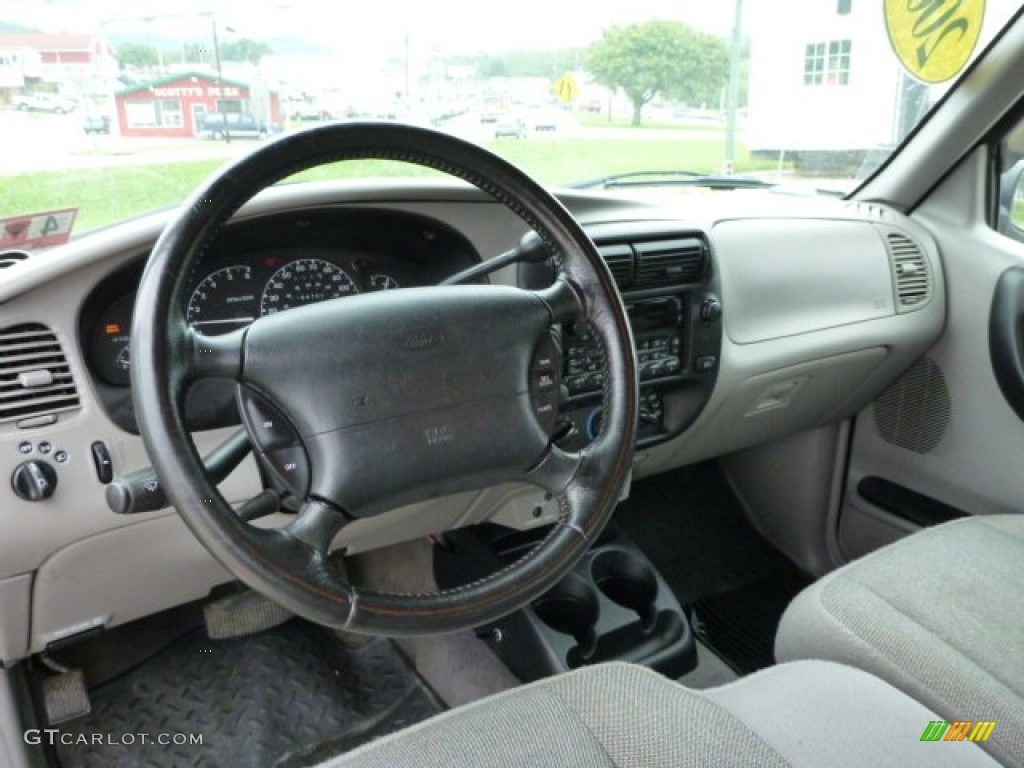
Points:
point(678, 339)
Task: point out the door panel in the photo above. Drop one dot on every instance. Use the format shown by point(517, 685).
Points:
point(955, 439)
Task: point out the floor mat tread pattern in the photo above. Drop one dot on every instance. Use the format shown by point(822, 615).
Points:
point(256, 701)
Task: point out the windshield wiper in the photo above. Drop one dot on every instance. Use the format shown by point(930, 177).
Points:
point(672, 179)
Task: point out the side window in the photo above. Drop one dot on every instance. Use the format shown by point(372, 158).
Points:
point(1010, 220)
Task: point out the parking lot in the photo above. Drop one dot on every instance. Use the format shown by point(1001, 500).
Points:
point(40, 142)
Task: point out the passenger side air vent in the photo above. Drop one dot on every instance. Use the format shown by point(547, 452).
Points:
point(619, 259)
point(12, 258)
point(665, 263)
point(35, 377)
point(910, 271)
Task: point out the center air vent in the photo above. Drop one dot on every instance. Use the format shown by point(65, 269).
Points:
point(35, 377)
point(665, 263)
point(910, 270)
point(619, 259)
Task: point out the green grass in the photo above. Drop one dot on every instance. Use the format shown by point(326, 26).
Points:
point(109, 194)
point(600, 120)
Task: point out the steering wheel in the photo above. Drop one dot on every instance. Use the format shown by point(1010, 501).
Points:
point(376, 400)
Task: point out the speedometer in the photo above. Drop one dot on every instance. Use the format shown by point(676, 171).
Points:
point(225, 300)
point(306, 281)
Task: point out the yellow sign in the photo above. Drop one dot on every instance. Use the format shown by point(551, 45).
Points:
point(934, 39)
point(566, 88)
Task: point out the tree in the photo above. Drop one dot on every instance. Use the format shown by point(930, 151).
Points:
point(660, 57)
point(244, 50)
point(138, 55)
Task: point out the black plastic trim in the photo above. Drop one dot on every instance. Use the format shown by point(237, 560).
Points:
point(1006, 337)
point(906, 504)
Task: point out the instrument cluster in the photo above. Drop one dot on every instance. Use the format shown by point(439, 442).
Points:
point(229, 296)
point(261, 266)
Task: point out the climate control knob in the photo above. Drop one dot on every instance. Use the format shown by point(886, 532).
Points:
point(34, 480)
point(710, 309)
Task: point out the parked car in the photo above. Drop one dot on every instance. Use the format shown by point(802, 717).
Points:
point(237, 124)
point(510, 127)
point(45, 102)
point(96, 124)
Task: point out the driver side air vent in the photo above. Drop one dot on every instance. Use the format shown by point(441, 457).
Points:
point(35, 377)
point(12, 258)
point(910, 271)
point(670, 262)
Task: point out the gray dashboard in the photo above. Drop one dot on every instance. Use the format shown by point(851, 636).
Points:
point(821, 304)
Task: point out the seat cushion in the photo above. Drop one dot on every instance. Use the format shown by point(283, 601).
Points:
point(803, 714)
point(940, 615)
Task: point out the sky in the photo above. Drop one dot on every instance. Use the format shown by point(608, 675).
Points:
point(456, 26)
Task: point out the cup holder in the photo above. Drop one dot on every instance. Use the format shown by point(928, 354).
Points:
point(571, 607)
point(628, 581)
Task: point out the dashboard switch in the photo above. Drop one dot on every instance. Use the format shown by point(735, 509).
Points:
point(101, 458)
point(34, 480)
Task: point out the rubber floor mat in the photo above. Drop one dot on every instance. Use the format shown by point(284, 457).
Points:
point(739, 625)
point(272, 699)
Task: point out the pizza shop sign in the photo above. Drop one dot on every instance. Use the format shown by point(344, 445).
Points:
point(195, 91)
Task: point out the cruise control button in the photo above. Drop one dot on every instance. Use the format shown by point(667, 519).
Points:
point(545, 381)
point(268, 426)
point(292, 467)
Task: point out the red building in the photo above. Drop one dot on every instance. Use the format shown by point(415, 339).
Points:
point(175, 105)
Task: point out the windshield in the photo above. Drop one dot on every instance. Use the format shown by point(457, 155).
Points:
point(111, 109)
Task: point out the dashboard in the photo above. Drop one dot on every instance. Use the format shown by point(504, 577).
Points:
point(743, 337)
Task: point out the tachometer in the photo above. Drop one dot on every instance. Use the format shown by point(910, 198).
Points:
point(306, 281)
point(225, 300)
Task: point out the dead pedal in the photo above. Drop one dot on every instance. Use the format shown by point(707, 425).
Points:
point(65, 697)
point(241, 614)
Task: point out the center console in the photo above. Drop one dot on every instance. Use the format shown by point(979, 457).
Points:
point(613, 604)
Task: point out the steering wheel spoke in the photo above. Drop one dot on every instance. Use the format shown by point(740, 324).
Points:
point(316, 525)
point(214, 356)
point(556, 470)
point(563, 301)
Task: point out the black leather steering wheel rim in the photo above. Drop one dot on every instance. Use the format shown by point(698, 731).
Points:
point(292, 565)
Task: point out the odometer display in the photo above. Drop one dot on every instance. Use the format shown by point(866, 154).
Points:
point(306, 281)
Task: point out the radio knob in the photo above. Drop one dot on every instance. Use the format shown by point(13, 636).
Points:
point(710, 310)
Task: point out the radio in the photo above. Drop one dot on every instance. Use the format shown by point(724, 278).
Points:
point(658, 333)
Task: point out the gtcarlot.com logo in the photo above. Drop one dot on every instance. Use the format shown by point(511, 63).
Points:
point(54, 737)
point(959, 730)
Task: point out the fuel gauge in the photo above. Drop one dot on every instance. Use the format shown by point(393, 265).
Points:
point(110, 339)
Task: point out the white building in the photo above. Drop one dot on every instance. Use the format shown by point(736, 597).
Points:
point(827, 87)
point(819, 83)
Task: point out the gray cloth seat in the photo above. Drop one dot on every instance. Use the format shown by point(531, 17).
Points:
point(808, 713)
point(939, 615)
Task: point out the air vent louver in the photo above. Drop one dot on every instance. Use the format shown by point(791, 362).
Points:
point(619, 259)
point(12, 258)
point(35, 377)
point(669, 262)
point(910, 269)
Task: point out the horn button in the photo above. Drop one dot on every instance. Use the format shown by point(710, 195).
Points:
point(372, 401)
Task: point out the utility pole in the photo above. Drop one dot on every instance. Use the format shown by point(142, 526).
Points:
point(220, 79)
point(733, 98)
